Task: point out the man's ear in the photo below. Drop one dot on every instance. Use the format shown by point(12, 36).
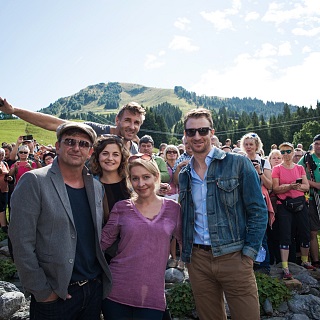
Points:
point(90, 152)
point(57, 146)
point(117, 120)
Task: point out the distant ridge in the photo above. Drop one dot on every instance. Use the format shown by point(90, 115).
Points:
point(106, 98)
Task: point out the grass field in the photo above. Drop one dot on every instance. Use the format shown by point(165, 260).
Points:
point(10, 130)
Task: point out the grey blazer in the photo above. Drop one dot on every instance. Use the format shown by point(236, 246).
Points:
point(43, 233)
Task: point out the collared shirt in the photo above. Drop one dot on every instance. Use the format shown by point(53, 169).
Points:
point(199, 196)
point(183, 157)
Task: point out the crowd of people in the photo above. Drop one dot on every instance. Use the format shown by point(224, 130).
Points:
point(94, 219)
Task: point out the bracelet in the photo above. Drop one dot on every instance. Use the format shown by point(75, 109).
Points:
point(260, 174)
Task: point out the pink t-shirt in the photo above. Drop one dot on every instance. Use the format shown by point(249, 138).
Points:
point(139, 267)
point(22, 167)
point(287, 176)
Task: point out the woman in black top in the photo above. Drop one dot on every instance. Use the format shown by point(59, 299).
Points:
point(109, 164)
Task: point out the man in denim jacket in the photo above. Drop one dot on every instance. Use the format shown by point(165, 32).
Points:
point(224, 220)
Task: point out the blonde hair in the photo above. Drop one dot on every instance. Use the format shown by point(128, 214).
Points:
point(169, 148)
point(149, 165)
point(253, 136)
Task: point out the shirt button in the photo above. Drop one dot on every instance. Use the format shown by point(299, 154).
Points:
point(70, 260)
point(73, 236)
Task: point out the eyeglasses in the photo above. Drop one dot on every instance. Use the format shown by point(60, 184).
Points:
point(72, 142)
point(202, 131)
point(285, 151)
point(23, 152)
point(143, 156)
point(172, 152)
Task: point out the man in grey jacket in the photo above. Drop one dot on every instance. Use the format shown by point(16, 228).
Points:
point(55, 228)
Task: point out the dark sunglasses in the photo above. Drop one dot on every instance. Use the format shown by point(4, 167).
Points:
point(144, 156)
point(23, 152)
point(285, 151)
point(172, 152)
point(72, 142)
point(202, 131)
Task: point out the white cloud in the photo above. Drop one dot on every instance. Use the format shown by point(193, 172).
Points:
point(257, 77)
point(218, 19)
point(182, 23)
point(303, 8)
point(308, 33)
point(252, 16)
point(267, 50)
point(152, 62)
point(285, 49)
point(306, 49)
point(182, 43)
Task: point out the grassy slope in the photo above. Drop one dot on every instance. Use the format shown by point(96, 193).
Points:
point(10, 130)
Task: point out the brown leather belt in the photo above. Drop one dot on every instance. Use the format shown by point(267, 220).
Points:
point(202, 246)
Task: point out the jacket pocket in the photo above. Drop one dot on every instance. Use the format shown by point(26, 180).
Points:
point(228, 191)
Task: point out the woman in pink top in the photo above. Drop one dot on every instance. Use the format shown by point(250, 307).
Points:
point(290, 182)
point(23, 165)
point(145, 224)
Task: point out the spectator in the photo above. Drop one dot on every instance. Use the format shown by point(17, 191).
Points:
point(251, 144)
point(162, 147)
point(226, 148)
point(48, 158)
point(146, 145)
point(182, 161)
point(22, 165)
point(145, 224)
point(170, 155)
point(297, 154)
point(215, 141)
point(290, 182)
point(4, 173)
point(311, 162)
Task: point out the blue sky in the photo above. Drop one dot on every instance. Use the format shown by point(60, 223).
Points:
point(264, 49)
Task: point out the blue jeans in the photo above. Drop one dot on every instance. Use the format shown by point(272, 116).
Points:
point(117, 311)
point(84, 304)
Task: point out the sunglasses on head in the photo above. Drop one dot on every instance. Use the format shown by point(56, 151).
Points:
point(285, 151)
point(202, 131)
point(23, 152)
point(144, 156)
point(72, 142)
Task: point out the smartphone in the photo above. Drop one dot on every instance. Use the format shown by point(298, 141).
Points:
point(254, 162)
point(27, 137)
point(299, 181)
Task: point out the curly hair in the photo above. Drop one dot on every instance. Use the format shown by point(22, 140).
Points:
point(99, 146)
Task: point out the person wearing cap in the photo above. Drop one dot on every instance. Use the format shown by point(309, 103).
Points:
point(311, 161)
point(128, 122)
point(289, 183)
point(146, 145)
point(55, 229)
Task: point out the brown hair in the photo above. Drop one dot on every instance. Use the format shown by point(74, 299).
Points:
point(198, 113)
point(99, 146)
point(132, 107)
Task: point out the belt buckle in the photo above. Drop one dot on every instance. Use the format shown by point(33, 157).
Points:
point(82, 283)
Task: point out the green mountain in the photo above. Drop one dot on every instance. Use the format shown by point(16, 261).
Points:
point(106, 98)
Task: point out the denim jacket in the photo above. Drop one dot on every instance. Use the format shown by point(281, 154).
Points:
point(236, 211)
